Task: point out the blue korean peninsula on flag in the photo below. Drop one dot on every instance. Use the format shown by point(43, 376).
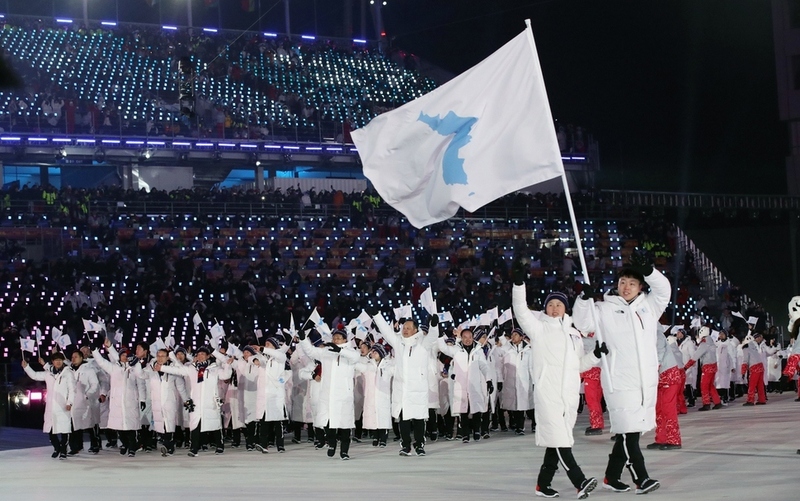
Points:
point(482, 135)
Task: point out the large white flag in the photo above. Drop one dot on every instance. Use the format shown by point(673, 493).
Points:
point(482, 135)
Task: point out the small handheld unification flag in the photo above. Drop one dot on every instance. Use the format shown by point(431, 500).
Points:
point(63, 341)
point(170, 339)
point(737, 314)
point(319, 323)
point(752, 320)
point(427, 302)
point(493, 314)
point(55, 333)
point(465, 144)
point(233, 351)
point(27, 344)
point(445, 316)
point(485, 319)
point(504, 317)
point(292, 328)
point(217, 332)
point(403, 312)
point(90, 326)
point(37, 334)
point(118, 336)
point(197, 321)
point(258, 333)
point(696, 323)
point(157, 345)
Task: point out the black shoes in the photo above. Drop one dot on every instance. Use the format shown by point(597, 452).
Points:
point(615, 486)
point(546, 492)
point(649, 485)
point(587, 486)
point(706, 407)
point(594, 431)
point(669, 447)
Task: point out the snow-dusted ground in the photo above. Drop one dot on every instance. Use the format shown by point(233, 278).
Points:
point(747, 453)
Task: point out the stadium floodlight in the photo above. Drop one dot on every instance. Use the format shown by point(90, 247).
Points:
point(210, 30)
point(359, 40)
point(108, 23)
point(171, 28)
point(308, 37)
point(271, 35)
point(64, 21)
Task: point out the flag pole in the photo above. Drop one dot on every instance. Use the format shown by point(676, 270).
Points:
point(598, 335)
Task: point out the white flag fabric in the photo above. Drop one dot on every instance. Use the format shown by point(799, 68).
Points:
point(319, 323)
point(752, 320)
point(37, 334)
point(292, 328)
point(484, 134)
point(696, 323)
point(493, 313)
point(63, 341)
point(217, 332)
point(157, 345)
point(233, 350)
point(427, 302)
point(90, 326)
point(55, 333)
point(445, 316)
point(504, 317)
point(27, 344)
point(737, 314)
point(118, 336)
point(169, 341)
point(196, 320)
point(485, 319)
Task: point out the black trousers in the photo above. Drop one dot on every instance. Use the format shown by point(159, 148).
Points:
point(59, 441)
point(250, 430)
point(469, 424)
point(432, 423)
point(406, 425)
point(270, 432)
point(486, 418)
point(499, 418)
point(516, 420)
point(552, 458)
point(145, 437)
point(214, 437)
point(626, 453)
point(341, 435)
point(168, 439)
point(111, 436)
point(76, 439)
point(128, 439)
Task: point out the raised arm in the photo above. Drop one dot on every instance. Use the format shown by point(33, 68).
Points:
point(660, 291)
point(178, 370)
point(527, 320)
point(101, 362)
point(35, 375)
point(387, 332)
point(447, 349)
point(278, 355)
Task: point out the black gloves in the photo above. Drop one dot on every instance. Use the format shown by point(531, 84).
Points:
point(490, 387)
point(189, 405)
point(518, 273)
point(587, 292)
point(401, 321)
point(301, 334)
point(333, 347)
point(600, 348)
point(287, 338)
point(372, 311)
point(640, 263)
point(500, 386)
point(434, 321)
point(453, 377)
point(142, 405)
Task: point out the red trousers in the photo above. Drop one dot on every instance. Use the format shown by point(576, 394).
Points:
point(707, 387)
point(670, 386)
point(593, 392)
point(791, 366)
point(756, 384)
point(682, 409)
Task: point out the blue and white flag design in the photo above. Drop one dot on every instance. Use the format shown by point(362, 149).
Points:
point(484, 134)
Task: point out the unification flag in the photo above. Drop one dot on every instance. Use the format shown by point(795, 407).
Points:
point(27, 344)
point(504, 317)
point(484, 134)
point(63, 341)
